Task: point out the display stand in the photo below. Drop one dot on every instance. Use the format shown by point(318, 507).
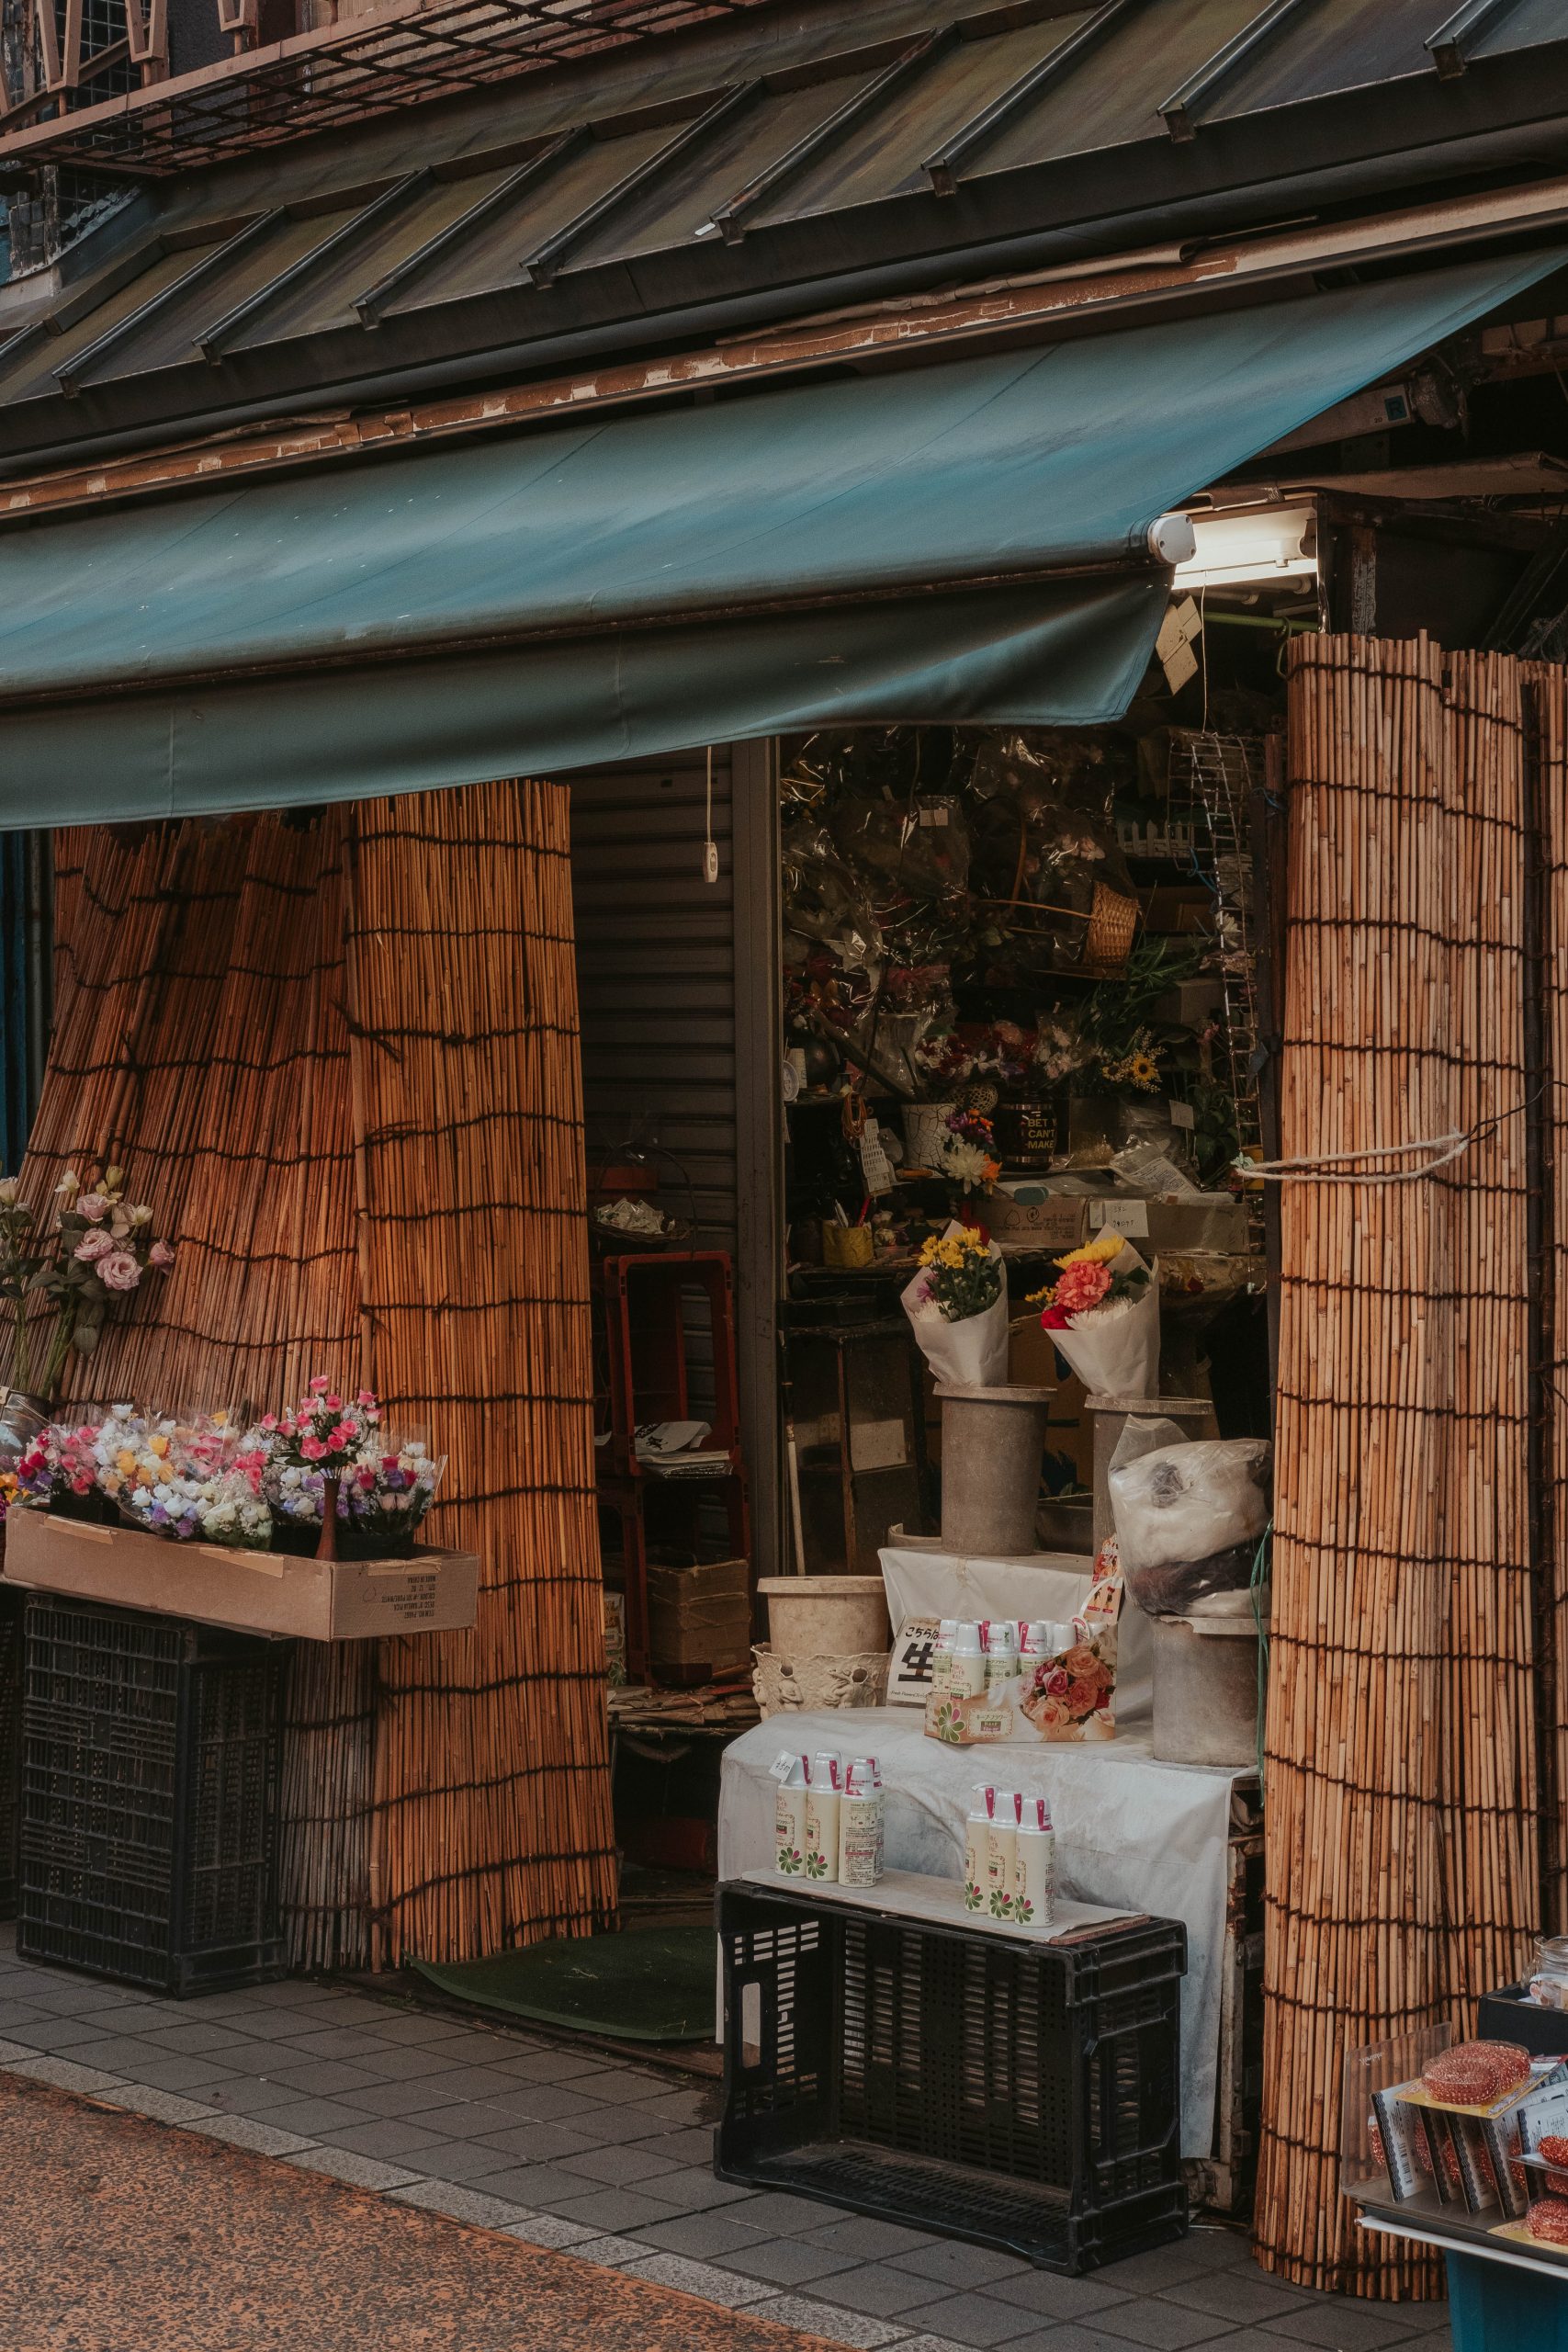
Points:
point(1017, 2092)
point(647, 1346)
point(1499, 2300)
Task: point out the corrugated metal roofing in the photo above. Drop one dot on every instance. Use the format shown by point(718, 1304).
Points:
point(1056, 114)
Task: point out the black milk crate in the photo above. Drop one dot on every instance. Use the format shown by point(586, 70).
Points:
point(956, 2079)
point(12, 1602)
point(149, 1799)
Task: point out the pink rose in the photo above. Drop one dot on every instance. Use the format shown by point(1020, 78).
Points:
point(161, 1256)
point(367, 1397)
point(118, 1270)
point(97, 1244)
point(93, 1206)
point(311, 1448)
point(1056, 1684)
point(319, 1385)
point(332, 1404)
point(342, 1437)
point(269, 1421)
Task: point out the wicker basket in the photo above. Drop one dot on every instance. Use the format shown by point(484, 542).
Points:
point(798, 1686)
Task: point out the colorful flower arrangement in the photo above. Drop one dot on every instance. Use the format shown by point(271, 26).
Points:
point(968, 1157)
point(1067, 1691)
point(201, 1479)
point(962, 1277)
point(101, 1249)
point(1091, 1279)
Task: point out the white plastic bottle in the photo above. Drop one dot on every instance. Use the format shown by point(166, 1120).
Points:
point(789, 1815)
point(941, 1657)
point(1034, 1871)
point(1001, 1854)
point(860, 1824)
point(968, 1661)
point(823, 1798)
point(1001, 1653)
point(977, 1847)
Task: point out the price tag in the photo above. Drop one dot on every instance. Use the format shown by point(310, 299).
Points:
point(782, 1766)
point(909, 1676)
point(1128, 1218)
point(1181, 1114)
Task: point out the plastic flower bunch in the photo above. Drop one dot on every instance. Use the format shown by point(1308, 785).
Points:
point(391, 1487)
point(968, 1155)
point(104, 1247)
point(1090, 1279)
point(323, 1433)
point(62, 1460)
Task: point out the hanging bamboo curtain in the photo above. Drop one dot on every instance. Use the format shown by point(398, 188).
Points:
point(1400, 1737)
point(339, 1057)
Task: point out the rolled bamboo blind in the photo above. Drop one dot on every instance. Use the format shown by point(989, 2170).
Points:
point(1401, 1788)
point(339, 1057)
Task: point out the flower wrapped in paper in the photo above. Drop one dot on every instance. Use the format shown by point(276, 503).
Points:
point(957, 1308)
point(1103, 1313)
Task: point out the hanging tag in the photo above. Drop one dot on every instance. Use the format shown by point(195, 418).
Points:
point(710, 861)
point(1181, 1114)
point(875, 1166)
point(782, 1767)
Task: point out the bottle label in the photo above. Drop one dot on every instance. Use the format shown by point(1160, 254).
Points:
point(788, 1827)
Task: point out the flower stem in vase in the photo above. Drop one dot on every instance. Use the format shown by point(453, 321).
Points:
point(327, 1548)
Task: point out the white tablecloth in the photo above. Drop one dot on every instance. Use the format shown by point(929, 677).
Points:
point(1130, 1833)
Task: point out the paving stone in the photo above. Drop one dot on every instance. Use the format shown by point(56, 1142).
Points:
point(961, 2267)
point(787, 2261)
point(544, 2188)
point(15, 2053)
point(387, 2139)
point(1343, 2325)
point(131, 2015)
point(690, 2147)
point(876, 2288)
point(542, 2143)
point(704, 2279)
point(1217, 2246)
point(544, 2066)
point(163, 2107)
point(1075, 2336)
point(176, 2073)
point(65, 1996)
point(198, 2035)
point(332, 2078)
point(1047, 2297)
point(274, 2025)
point(415, 2027)
point(467, 2161)
point(396, 2062)
point(1164, 2325)
point(55, 2035)
point(703, 2235)
point(463, 2082)
point(338, 2041)
point(609, 2252)
point(547, 2230)
point(689, 2190)
point(1165, 2266)
point(610, 2208)
point(1240, 2298)
point(124, 2053)
point(249, 2131)
point(825, 2320)
point(471, 2205)
point(617, 2168)
point(313, 2115)
point(475, 2118)
point(978, 2320)
point(783, 2216)
point(242, 2095)
point(64, 2074)
point(873, 2239)
point(359, 2172)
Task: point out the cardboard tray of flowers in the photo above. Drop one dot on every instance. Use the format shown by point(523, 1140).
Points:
point(424, 1592)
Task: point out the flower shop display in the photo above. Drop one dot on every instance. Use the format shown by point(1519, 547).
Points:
point(957, 1308)
point(1059, 1683)
point(1103, 1313)
point(161, 1511)
point(968, 1155)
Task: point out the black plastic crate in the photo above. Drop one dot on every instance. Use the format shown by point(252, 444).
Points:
point(952, 2078)
point(149, 1798)
point(12, 1603)
point(1507, 2016)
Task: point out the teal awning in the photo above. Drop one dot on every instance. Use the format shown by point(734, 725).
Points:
point(956, 542)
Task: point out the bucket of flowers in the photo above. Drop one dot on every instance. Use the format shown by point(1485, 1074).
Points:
point(309, 1454)
point(385, 1497)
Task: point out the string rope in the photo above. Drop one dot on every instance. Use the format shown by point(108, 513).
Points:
point(1345, 1168)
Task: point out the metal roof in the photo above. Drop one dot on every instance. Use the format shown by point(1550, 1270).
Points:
point(752, 168)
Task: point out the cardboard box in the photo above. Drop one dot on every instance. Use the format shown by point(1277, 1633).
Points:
point(699, 1621)
point(1209, 1222)
point(251, 1592)
point(1059, 1221)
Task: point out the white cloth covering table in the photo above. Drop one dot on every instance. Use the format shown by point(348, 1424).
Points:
point(1131, 1833)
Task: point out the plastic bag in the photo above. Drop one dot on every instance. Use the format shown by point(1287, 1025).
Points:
point(1188, 1519)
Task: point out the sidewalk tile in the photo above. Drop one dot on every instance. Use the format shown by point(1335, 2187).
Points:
point(359, 2172)
point(824, 2320)
point(470, 2205)
point(249, 2131)
point(704, 2279)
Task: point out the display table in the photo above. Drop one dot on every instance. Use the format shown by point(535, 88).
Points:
point(1501, 2299)
point(1131, 1834)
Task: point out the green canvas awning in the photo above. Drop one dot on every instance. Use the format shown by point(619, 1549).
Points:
point(964, 542)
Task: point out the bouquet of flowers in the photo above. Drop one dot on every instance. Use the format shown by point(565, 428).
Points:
point(387, 1492)
point(957, 1305)
point(1103, 1313)
point(59, 1468)
point(968, 1156)
point(100, 1250)
point(311, 1451)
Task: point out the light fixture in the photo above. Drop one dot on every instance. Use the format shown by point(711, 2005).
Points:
point(1252, 549)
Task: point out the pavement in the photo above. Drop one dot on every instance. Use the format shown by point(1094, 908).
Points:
point(550, 2145)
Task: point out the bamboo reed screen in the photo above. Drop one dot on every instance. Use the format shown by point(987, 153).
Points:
point(1402, 1789)
point(340, 1056)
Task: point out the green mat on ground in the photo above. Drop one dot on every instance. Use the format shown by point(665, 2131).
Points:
point(654, 1984)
